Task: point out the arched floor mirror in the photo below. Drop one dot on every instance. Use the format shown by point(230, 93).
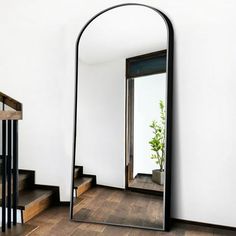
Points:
point(123, 114)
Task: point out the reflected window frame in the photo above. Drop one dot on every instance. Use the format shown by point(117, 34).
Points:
point(146, 64)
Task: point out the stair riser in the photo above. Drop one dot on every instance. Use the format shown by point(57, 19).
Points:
point(78, 173)
point(23, 184)
point(27, 183)
point(33, 199)
point(36, 208)
point(83, 188)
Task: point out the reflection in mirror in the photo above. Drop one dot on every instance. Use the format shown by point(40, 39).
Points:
point(120, 161)
point(146, 119)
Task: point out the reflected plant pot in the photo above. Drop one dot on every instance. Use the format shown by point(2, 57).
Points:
point(158, 176)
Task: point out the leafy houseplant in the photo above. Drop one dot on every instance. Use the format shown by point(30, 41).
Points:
point(158, 145)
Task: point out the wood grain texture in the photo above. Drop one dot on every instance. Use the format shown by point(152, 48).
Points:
point(82, 184)
point(11, 102)
point(24, 181)
point(10, 115)
point(120, 207)
point(19, 230)
point(54, 221)
point(32, 202)
point(145, 182)
point(33, 199)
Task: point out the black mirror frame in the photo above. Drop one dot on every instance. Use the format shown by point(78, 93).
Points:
point(170, 56)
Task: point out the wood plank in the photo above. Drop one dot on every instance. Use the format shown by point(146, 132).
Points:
point(24, 181)
point(50, 221)
point(92, 227)
point(27, 198)
point(10, 115)
point(121, 207)
point(34, 201)
point(145, 182)
point(36, 208)
point(19, 230)
point(82, 185)
point(11, 102)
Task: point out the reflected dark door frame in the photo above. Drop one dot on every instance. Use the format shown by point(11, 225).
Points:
point(170, 51)
point(138, 66)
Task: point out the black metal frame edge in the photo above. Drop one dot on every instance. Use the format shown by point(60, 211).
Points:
point(170, 31)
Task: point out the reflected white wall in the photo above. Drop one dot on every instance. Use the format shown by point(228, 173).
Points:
point(148, 91)
point(101, 122)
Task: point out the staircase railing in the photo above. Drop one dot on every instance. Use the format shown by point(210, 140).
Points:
point(10, 113)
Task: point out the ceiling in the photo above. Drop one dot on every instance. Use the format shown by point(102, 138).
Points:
point(121, 33)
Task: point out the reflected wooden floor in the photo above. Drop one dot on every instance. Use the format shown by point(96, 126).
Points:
point(55, 222)
point(107, 205)
point(145, 182)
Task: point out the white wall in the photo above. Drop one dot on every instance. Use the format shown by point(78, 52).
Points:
point(148, 91)
point(37, 67)
point(101, 122)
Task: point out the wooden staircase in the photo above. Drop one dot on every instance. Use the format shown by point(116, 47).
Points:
point(33, 198)
point(82, 182)
point(20, 198)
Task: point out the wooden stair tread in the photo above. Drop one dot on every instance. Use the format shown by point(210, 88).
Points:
point(20, 230)
point(83, 184)
point(24, 181)
point(21, 177)
point(81, 181)
point(32, 198)
point(28, 197)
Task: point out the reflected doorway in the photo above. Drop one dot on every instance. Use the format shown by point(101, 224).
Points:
point(146, 95)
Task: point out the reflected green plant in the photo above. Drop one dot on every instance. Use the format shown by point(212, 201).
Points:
point(158, 140)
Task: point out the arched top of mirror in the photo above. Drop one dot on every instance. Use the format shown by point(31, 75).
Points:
point(121, 33)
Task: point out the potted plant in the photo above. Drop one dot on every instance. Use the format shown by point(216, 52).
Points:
point(158, 145)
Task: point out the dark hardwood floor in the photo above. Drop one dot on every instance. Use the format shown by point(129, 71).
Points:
point(54, 222)
point(101, 204)
point(19, 230)
point(145, 182)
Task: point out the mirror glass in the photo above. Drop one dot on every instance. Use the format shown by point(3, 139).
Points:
point(119, 172)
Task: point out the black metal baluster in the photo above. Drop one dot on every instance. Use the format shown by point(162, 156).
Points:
point(9, 155)
point(3, 176)
point(15, 170)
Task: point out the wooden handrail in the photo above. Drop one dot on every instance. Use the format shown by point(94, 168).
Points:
point(10, 102)
point(14, 104)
